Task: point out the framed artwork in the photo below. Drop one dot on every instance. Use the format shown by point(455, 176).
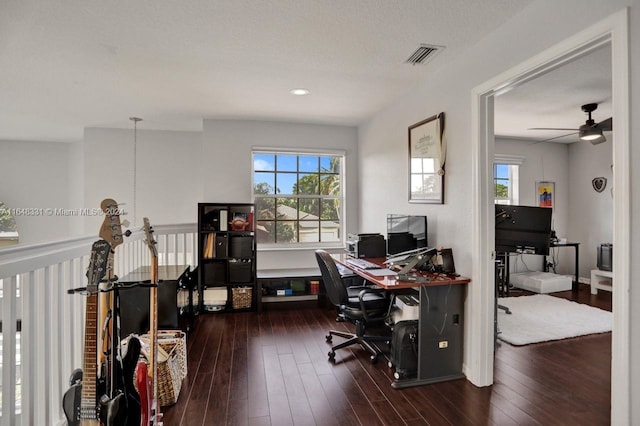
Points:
point(545, 194)
point(426, 161)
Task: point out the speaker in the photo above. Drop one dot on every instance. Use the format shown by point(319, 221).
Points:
point(605, 257)
point(448, 266)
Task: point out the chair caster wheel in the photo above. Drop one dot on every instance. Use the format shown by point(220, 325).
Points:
point(397, 375)
point(332, 356)
point(374, 359)
point(329, 338)
point(390, 364)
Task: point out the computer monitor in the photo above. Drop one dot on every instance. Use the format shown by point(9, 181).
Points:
point(522, 229)
point(405, 232)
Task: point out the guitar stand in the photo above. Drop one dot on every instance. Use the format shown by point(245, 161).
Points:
point(117, 397)
point(115, 353)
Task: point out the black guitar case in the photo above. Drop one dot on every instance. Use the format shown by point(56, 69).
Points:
point(125, 382)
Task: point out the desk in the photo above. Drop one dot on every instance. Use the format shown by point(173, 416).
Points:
point(440, 323)
point(574, 285)
point(134, 301)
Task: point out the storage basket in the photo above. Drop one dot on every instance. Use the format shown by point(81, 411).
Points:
point(241, 297)
point(172, 364)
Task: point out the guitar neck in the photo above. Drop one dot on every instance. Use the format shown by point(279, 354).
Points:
point(153, 323)
point(88, 395)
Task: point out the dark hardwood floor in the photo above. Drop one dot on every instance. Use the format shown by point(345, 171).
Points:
point(272, 369)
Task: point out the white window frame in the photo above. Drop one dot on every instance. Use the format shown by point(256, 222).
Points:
point(342, 196)
point(514, 163)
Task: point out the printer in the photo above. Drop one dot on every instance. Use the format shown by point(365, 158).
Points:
point(366, 245)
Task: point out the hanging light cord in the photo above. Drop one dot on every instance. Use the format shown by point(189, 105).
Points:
point(135, 162)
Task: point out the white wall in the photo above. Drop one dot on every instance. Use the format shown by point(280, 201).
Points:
point(634, 203)
point(168, 174)
point(591, 212)
point(580, 214)
point(383, 143)
point(544, 162)
point(226, 158)
point(38, 175)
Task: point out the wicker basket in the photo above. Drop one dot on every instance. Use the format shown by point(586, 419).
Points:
point(172, 364)
point(241, 297)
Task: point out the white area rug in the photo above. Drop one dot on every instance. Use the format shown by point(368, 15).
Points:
point(541, 318)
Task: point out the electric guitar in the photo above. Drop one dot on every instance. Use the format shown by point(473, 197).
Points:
point(120, 404)
point(80, 401)
point(149, 400)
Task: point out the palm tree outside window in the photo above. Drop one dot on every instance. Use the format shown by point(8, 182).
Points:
point(298, 197)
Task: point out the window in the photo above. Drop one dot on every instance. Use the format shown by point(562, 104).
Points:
point(8, 229)
point(505, 183)
point(298, 197)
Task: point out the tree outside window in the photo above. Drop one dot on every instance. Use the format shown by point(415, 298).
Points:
point(298, 197)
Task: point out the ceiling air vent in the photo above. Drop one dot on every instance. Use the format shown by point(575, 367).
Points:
point(423, 54)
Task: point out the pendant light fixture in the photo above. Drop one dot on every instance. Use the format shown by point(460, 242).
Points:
point(135, 162)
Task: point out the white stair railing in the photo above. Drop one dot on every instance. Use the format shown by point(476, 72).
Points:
point(43, 326)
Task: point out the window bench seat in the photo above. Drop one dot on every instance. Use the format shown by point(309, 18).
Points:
point(288, 285)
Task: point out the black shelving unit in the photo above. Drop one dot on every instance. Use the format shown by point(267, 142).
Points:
point(226, 257)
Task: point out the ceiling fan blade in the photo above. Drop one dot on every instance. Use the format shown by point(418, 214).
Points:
point(598, 141)
point(606, 125)
point(550, 128)
point(556, 137)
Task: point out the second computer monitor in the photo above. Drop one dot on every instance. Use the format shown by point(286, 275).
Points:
point(405, 232)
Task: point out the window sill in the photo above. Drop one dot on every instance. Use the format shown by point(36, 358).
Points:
point(299, 247)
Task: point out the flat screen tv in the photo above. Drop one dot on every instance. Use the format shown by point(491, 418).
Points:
point(405, 232)
point(523, 229)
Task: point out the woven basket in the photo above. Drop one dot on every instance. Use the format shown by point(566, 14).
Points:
point(172, 368)
point(241, 297)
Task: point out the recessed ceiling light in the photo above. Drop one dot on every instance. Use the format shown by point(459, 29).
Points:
point(299, 92)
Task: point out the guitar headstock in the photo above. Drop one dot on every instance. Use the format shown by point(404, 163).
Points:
point(98, 264)
point(151, 243)
point(111, 229)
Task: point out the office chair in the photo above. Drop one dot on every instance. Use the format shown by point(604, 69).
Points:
point(364, 306)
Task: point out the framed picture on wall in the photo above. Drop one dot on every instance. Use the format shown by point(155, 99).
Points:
point(427, 154)
point(545, 194)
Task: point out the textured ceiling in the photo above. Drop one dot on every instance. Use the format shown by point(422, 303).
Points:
point(67, 65)
point(555, 100)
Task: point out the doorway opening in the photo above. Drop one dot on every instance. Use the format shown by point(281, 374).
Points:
point(613, 31)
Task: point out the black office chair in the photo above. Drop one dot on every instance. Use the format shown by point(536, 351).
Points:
point(363, 306)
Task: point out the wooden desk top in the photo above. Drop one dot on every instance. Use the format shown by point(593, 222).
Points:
point(165, 273)
point(391, 283)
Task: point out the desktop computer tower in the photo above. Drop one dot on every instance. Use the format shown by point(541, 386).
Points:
point(404, 349)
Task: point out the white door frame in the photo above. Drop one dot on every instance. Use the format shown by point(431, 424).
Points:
point(612, 30)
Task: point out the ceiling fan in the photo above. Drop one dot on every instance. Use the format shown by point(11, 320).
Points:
point(589, 131)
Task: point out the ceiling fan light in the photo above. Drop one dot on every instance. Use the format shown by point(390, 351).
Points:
point(588, 133)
